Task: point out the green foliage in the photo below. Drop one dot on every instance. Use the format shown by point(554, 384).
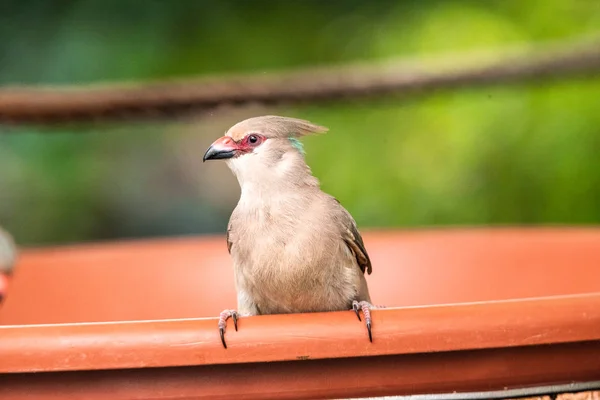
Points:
point(526, 154)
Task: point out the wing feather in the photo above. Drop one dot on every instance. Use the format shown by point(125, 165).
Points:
point(354, 241)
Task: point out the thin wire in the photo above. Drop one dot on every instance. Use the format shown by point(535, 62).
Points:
point(499, 394)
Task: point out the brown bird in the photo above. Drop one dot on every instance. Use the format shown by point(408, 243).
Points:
point(295, 248)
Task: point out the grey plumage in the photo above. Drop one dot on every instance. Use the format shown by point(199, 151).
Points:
point(294, 248)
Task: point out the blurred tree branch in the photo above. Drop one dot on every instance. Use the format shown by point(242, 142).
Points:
point(48, 105)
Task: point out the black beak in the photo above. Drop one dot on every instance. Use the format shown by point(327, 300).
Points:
point(217, 154)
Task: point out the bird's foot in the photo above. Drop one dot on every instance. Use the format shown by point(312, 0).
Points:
point(366, 308)
point(223, 317)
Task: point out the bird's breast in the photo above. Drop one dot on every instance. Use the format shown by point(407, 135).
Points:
point(282, 275)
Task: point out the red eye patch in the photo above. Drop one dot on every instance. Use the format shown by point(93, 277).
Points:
point(250, 141)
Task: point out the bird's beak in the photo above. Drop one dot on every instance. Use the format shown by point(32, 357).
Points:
point(222, 148)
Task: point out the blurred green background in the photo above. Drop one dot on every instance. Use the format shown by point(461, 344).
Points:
point(523, 154)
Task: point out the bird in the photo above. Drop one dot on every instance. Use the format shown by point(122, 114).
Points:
point(294, 248)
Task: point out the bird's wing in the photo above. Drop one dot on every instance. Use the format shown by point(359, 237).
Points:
point(354, 241)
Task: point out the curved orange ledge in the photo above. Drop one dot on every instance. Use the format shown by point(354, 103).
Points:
point(142, 344)
point(480, 310)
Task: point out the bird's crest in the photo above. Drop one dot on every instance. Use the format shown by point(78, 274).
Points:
point(273, 126)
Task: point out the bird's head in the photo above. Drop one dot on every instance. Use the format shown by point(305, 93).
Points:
point(256, 145)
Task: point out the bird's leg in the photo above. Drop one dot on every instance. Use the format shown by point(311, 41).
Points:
point(223, 317)
point(366, 308)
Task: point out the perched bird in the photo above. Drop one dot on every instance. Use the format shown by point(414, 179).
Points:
point(294, 248)
point(8, 254)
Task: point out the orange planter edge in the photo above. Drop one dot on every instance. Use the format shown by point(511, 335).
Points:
point(397, 331)
point(446, 372)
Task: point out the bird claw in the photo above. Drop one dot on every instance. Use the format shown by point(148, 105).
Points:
point(355, 308)
point(234, 315)
point(365, 307)
point(222, 333)
point(223, 317)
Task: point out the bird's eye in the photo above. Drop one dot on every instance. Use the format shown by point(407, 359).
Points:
point(254, 140)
